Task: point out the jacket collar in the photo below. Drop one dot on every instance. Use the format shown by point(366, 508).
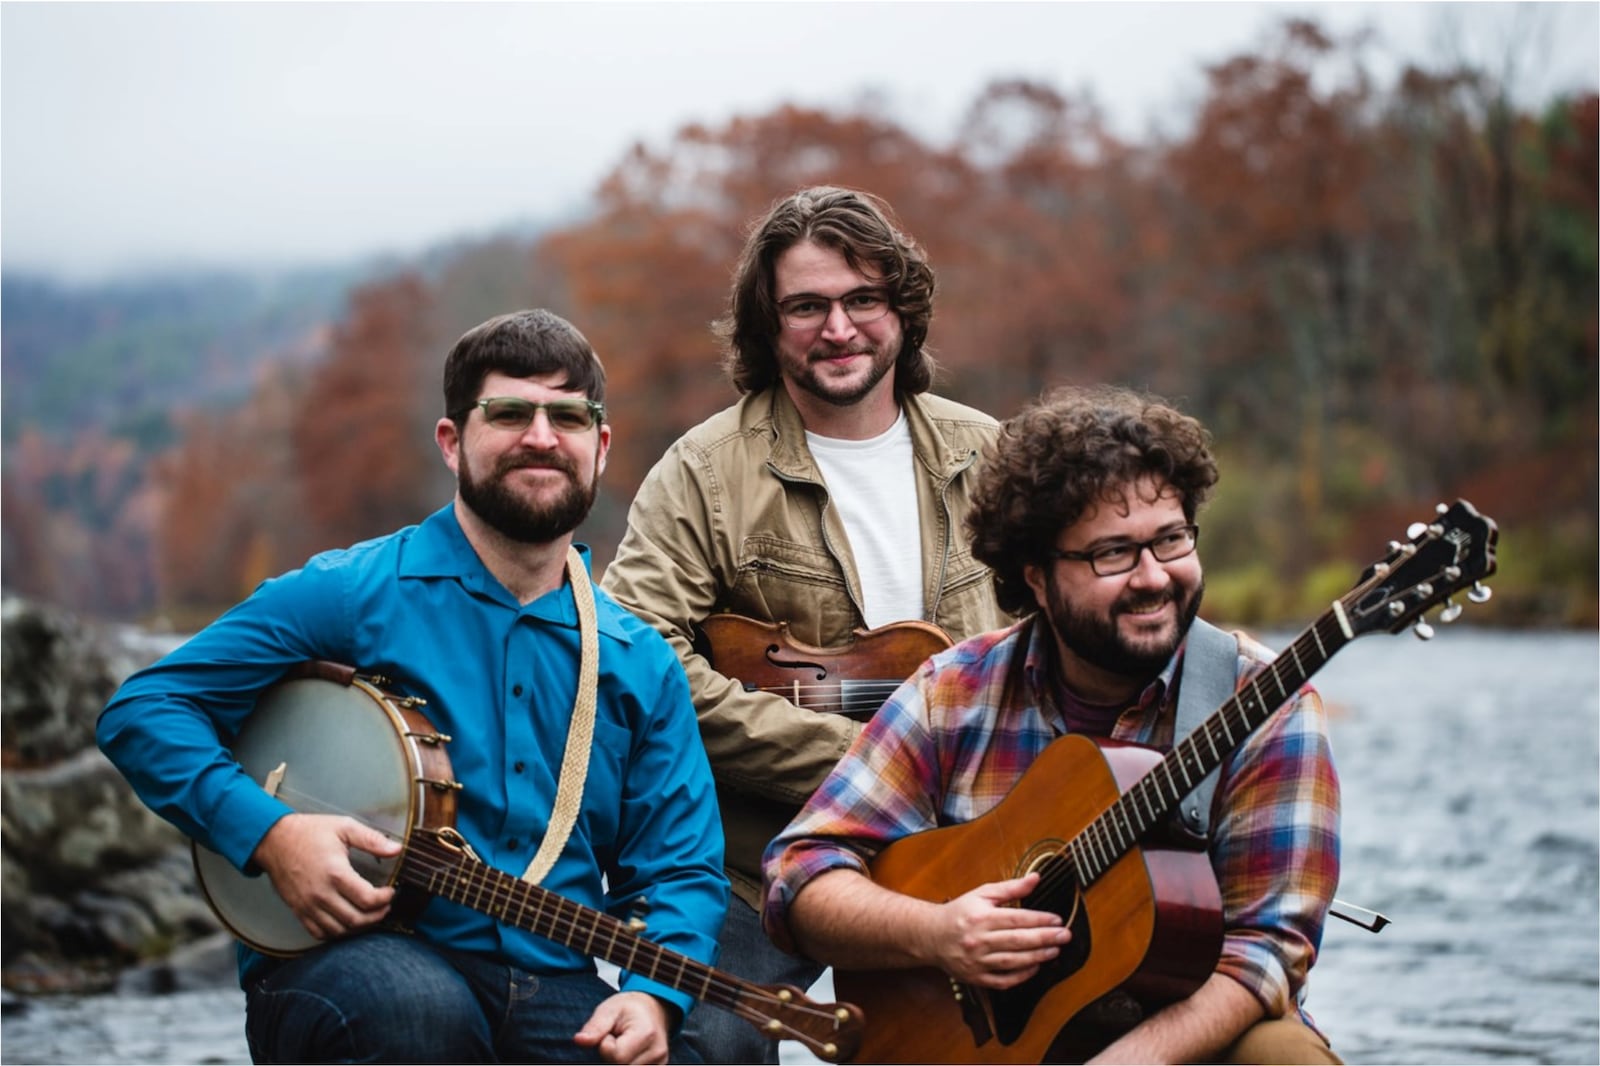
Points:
point(792, 458)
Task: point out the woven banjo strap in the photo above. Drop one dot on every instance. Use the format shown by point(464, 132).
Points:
point(575, 761)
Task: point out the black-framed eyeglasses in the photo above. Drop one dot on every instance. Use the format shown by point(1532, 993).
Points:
point(1114, 559)
point(807, 310)
point(565, 416)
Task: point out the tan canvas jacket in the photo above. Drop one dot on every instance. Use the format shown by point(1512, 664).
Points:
point(735, 517)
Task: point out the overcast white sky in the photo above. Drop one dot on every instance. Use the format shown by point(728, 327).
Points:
point(230, 134)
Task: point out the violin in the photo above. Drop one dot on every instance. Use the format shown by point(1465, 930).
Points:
point(853, 679)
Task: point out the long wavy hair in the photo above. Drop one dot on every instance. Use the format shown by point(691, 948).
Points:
point(860, 227)
point(1061, 456)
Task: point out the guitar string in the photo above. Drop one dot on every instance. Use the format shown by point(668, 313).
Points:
point(1066, 869)
point(453, 862)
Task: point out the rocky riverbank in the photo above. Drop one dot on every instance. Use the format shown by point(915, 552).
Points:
point(96, 892)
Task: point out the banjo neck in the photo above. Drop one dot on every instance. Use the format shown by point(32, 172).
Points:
point(441, 863)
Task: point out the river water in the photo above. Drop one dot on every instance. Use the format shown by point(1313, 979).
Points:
point(1471, 774)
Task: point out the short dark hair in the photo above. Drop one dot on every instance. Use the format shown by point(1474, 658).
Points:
point(858, 226)
point(523, 344)
point(1067, 452)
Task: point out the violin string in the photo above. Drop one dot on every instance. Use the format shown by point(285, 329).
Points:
point(854, 696)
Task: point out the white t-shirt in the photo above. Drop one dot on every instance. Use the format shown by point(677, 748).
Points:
point(873, 484)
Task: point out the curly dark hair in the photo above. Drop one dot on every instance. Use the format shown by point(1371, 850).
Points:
point(522, 344)
point(860, 227)
point(1062, 455)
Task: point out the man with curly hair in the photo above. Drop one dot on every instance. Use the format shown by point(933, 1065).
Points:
point(829, 498)
point(1086, 512)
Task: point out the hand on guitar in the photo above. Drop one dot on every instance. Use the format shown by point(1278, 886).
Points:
point(307, 856)
point(981, 939)
point(629, 1027)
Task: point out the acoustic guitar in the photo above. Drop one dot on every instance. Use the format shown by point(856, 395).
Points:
point(328, 740)
point(1145, 920)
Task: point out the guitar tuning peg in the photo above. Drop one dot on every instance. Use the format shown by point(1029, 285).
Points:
point(1479, 593)
point(1423, 630)
point(1440, 508)
point(1452, 611)
point(1416, 529)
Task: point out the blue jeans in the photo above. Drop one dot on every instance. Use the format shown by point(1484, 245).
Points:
point(719, 1036)
point(389, 997)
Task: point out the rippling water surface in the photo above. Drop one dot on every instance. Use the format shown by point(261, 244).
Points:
point(1471, 773)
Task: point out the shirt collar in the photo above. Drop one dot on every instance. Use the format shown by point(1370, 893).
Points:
point(439, 549)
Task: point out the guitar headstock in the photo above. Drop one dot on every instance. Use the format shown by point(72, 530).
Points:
point(1454, 551)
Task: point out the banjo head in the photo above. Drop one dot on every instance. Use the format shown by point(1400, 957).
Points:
point(342, 749)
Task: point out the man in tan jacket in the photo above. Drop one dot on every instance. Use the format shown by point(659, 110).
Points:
point(830, 497)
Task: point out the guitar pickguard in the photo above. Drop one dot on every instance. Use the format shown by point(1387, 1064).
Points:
point(1005, 1014)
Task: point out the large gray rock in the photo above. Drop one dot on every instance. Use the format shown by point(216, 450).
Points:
point(90, 879)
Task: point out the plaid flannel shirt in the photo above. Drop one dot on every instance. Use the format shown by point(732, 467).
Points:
point(950, 743)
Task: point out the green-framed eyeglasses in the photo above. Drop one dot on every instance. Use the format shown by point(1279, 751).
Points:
point(516, 414)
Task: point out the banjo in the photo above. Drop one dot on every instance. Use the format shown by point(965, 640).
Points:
point(298, 744)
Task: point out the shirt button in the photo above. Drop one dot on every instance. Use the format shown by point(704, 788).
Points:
point(518, 766)
point(516, 690)
point(512, 844)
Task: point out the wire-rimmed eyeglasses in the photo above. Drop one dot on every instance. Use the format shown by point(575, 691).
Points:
point(807, 310)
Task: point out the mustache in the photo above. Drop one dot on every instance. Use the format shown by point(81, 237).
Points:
point(1146, 601)
point(537, 461)
point(831, 351)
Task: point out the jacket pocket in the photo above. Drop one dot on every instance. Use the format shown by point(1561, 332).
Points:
point(782, 581)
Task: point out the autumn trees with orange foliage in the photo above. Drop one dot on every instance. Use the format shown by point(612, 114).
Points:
point(1377, 298)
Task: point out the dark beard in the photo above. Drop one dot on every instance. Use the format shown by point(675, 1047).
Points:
point(516, 517)
point(1096, 640)
point(812, 383)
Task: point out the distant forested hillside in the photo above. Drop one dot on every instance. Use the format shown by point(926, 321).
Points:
point(123, 356)
point(98, 381)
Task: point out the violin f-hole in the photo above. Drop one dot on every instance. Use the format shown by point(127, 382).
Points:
point(798, 664)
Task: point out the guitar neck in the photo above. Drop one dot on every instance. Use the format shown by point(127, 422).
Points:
point(445, 871)
point(1153, 796)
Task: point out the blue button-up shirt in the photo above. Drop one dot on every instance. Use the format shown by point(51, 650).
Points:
point(420, 608)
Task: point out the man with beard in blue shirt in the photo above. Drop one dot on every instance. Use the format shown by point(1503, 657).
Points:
point(476, 610)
